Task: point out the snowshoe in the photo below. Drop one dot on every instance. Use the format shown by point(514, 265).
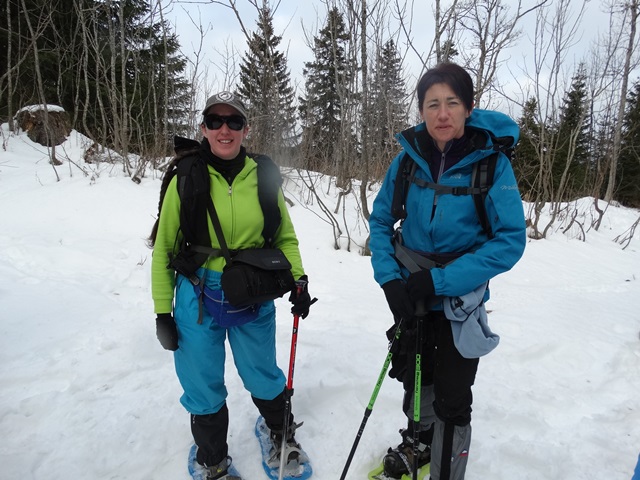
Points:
point(398, 462)
point(223, 471)
point(297, 465)
point(378, 474)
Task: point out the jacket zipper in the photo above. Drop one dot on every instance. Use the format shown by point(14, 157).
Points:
point(437, 179)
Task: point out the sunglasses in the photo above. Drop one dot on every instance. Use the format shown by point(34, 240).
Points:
point(215, 122)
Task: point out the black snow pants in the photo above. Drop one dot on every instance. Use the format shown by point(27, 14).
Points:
point(446, 398)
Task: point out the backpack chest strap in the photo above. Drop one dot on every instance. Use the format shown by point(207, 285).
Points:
point(446, 189)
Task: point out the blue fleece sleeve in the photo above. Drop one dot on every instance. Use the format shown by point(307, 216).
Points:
point(498, 254)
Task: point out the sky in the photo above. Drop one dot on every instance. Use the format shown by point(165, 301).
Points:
point(88, 392)
point(297, 22)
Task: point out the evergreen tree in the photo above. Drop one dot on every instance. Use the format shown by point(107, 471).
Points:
point(526, 159)
point(601, 151)
point(84, 74)
point(321, 110)
point(449, 51)
point(389, 109)
point(55, 27)
point(572, 139)
point(156, 91)
point(265, 85)
point(629, 164)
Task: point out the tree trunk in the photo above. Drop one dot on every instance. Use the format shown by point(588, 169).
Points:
point(40, 86)
point(633, 8)
point(9, 78)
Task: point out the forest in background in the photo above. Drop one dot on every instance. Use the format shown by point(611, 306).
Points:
point(117, 69)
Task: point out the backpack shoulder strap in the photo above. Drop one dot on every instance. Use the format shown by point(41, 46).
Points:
point(192, 182)
point(482, 180)
point(184, 148)
point(269, 184)
point(194, 190)
point(406, 170)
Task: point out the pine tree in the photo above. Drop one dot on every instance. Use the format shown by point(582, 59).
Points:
point(388, 110)
point(265, 85)
point(629, 167)
point(572, 139)
point(449, 51)
point(75, 59)
point(155, 87)
point(321, 110)
point(56, 28)
point(526, 159)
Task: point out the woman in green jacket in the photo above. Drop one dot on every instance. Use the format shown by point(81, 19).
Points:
point(196, 335)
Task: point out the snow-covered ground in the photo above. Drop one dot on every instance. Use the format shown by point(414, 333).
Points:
point(88, 392)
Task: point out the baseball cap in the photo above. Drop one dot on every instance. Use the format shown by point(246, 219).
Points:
point(226, 98)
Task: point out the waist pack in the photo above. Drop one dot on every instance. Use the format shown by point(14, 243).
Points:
point(256, 275)
point(222, 312)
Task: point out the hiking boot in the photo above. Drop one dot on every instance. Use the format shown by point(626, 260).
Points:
point(399, 461)
point(217, 472)
point(294, 455)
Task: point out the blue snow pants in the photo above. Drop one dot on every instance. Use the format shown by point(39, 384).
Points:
point(200, 358)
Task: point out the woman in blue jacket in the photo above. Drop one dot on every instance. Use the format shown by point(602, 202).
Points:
point(443, 227)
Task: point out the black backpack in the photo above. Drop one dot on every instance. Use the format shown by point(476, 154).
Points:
point(194, 191)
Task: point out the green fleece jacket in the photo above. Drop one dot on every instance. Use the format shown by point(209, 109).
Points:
point(241, 219)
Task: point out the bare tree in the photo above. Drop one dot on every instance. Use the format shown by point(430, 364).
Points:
point(445, 22)
point(84, 63)
point(124, 112)
point(555, 33)
point(605, 65)
point(630, 11)
point(201, 76)
point(9, 66)
point(491, 29)
point(40, 85)
point(96, 48)
point(366, 151)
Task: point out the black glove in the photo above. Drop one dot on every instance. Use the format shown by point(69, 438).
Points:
point(300, 298)
point(420, 287)
point(399, 301)
point(399, 354)
point(166, 331)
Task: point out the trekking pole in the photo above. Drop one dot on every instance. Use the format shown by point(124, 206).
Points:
point(374, 395)
point(288, 391)
point(417, 386)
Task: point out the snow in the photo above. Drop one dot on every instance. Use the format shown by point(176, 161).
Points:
point(36, 108)
point(88, 392)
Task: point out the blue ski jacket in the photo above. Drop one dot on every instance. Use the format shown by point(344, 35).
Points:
point(446, 224)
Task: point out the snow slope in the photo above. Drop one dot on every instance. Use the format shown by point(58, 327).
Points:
point(87, 391)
